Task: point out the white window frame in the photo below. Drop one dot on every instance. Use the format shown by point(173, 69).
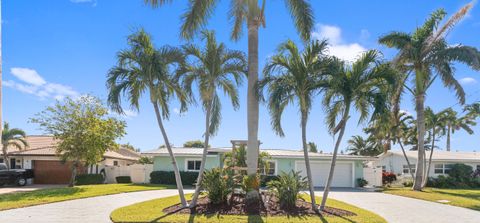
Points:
point(195, 160)
point(405, 168)
point(443, 168)
point(275, 173)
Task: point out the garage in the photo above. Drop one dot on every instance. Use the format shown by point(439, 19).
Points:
point(51, 172)
point(343, 176)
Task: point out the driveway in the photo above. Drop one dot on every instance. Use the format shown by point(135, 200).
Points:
point(95, 209)
point(14, 189)
point(399, 209)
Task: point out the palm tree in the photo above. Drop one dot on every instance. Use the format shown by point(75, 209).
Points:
point(253, 14)
point(363, 147)
point(312, 147)
point(434, 122)
point(362, 85)
point(213, 67)
point(453, 123)
point(14, 138)
point(425, 54)
point(141, 68)
point(293, 76)
point(399, 131)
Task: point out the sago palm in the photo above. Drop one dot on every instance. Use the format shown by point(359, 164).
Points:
point(143, 69)
point(424, 55)
point(12, 138)
point(212, 68)
point(291, 77)
point(360, 86)
point(251, 13)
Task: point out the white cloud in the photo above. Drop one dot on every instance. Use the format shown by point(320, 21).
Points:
point(467, 81)
point(176, 111)
point(94, 2)
point(130, 113)
point(338, 48)
point(30, 82)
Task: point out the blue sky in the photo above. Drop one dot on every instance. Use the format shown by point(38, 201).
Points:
point(58, 48)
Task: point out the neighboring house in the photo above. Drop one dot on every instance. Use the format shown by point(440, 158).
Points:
point(394, 161)
point(347, 170)
point(40, 156)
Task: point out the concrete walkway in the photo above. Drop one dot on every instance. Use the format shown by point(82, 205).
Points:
point(399, 209)
point(95, 209)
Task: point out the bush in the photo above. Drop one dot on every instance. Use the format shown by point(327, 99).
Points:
point(123, 179)
point(388, 177)
point(168, 177)
point(251, 182)
point(288, 188)
point(461, 173)
point(264, 179)
point(362, 182)
point(218, 184)
point(88, 179)
point(408, 183)
point(460, 176)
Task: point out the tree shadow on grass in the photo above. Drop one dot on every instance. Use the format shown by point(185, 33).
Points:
point(41, 194)
point(471, 195)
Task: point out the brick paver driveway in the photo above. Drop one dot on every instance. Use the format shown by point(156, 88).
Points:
point(95, 209)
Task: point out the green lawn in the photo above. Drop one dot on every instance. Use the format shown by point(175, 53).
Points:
point(43, 196)
point(467, 198)
point(151, 211)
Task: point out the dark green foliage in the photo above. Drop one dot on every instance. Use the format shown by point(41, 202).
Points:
point(168, 177)
point(264, 179)
point(361, 182)
point(145, 160)
point(218, 184)
point(194, 144)
point(408, 183)
point(461, 172)
point(288, 188)
point(123, 179)
point(88, 179)
point(460, 176)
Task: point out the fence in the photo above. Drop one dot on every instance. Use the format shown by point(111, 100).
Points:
point(373, 175)
point(138, 173)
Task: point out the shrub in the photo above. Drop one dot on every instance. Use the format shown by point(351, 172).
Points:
point(251, 182)
point(408, 183)
point(218, 184)
point(264, 179)
point(168, 177)
point(460, 176)
point(123, 179)
point(87, 179)
point(388, 177)
point(288, 188)
point(362, 182)
point(461, 173)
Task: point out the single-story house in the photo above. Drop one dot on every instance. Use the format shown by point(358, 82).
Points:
point(348, 168)
point(40, 155)
point(394, 161)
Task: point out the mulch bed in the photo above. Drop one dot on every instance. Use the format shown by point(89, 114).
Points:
point(270, 207)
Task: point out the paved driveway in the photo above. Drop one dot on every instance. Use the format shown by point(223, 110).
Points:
point(399, 209)
point(95, 209)
point(14, 189)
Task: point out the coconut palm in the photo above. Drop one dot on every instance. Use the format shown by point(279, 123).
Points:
point(454, 123)
point(361, 86)
point(360, 146)
point(251, 13)
point(13, 138)
point(295, 77)
point(212, 68)
point(143, 69)
point(434, 122)
point(425, 54)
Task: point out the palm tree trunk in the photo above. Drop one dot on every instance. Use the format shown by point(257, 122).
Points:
point(420, 100)
point(178, 179)
point(449, 129)
point(5, 156)
point(425, 180)
point(204, 156)
point(252, 102)
point(74, 174)
point(307, 160)
point(406, 158)
point(334, 158)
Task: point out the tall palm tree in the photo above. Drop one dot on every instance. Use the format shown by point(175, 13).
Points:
point(14, 138)
point(211, 68)
point(143, 69)
point(454, 123)
point(434, 122)
point(251, 13)
point(399, 131)
point(294, 76)
point(361, 86)
point(425, 54)
point(360, 146)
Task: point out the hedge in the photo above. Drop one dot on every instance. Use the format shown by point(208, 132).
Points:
point(123, 179)
point(87, 179)
point(264, 179)
point(168, 177)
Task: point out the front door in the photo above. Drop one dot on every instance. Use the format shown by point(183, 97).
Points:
point(12, 163)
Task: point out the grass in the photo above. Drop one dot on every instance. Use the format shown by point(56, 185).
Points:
point(467, 198)
point(151, 211)
point(44, 196)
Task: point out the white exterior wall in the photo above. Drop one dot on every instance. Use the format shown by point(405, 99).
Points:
point(138, 173)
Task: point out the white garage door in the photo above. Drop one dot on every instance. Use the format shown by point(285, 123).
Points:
point(343, 176)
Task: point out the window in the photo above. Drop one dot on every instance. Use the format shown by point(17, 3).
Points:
point(115, 163)
point(407, 170)
point(193, 165)
point(270, 169)
point(384, 169)
point(1, 160)
point(442, 168)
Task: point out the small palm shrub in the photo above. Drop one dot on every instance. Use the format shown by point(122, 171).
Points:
point(362, 182)
point(288, 188)
point(218, 184)
point(251, 182)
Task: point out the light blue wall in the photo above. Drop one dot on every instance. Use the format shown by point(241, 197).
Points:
point(164, 163)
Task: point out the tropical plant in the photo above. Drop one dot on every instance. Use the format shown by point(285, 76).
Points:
point(433, 122)
point(212, 68)
point(363, 147)
point(83, 129)
point(240, 160)
point(454, 123)
point(251, 13)
point(288, 188)
point(12, 138)
point(145, 160)
point(141, 68)
point(194, 144)
point(424, 55)
point(360, 86)
point(312, 147)
point(291, 77)
point(218, 184)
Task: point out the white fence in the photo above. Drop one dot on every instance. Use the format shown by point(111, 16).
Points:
point(373, 175)
point(138, 173)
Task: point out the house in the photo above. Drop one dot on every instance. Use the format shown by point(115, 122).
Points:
point(348, 168)
point(40, 155)
point(394, 161)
